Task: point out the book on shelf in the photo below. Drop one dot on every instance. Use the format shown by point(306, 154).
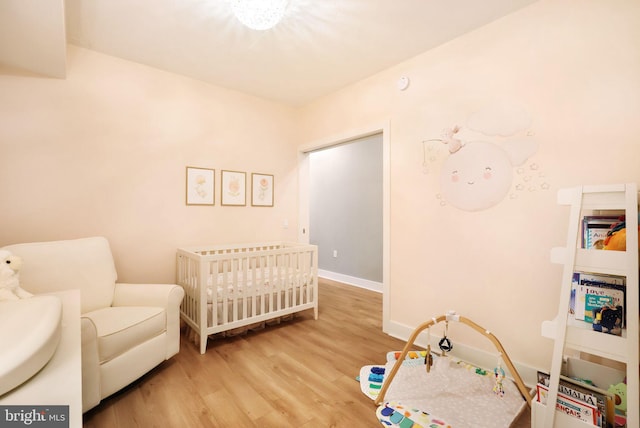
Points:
point(595, 229)
point(590, 291)
point(583, 394)
point(570, 406)
point(575, 281)
point(594, 302)
point(598, 296)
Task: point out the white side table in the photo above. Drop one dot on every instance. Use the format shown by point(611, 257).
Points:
point(59, 383)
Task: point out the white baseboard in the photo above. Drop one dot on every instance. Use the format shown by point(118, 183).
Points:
point(351, 280)
point(477, 357)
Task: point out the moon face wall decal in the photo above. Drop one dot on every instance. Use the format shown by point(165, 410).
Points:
point(476, 177)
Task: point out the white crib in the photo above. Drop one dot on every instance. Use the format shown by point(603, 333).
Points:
point(228, 287)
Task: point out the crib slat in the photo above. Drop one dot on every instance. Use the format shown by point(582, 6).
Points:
point(212, 273)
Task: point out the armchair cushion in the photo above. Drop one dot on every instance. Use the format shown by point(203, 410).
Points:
point(121, 328)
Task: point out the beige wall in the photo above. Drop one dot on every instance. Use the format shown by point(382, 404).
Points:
point(575, 67)
point(32, 36)
point(104, 151)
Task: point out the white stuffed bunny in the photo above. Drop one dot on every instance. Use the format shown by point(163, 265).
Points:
point(9, 277)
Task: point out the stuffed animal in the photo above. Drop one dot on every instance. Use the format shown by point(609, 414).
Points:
point(616, 238)
point(620, 391)
point(9, 277)
point(608, 319)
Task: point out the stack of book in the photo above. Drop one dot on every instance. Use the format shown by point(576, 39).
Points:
point(599, 299)
point(580, 400)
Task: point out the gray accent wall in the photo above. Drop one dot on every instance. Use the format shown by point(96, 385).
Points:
point(346, 207)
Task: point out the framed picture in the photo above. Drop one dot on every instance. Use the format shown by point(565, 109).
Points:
point(200, 186)
point(261, 190)
point(234, 185)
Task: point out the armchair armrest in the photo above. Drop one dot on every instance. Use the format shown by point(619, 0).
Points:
point(167, 296)
point(161, 295)
point(90, 365)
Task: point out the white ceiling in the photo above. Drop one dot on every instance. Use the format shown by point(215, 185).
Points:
point(319, 47)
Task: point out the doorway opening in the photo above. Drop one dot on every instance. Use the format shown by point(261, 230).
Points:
point(335, 256)
point(345, 211)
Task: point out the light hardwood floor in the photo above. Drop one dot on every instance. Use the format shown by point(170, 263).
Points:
point(300, 373)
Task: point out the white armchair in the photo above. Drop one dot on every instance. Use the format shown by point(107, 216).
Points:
point(126, 329)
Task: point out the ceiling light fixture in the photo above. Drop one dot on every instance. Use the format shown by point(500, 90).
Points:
point(259, 14)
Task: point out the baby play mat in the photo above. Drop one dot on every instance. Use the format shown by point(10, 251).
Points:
point(452, 394)
point(395, 414)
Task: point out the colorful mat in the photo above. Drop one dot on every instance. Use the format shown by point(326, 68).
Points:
point(395, 414)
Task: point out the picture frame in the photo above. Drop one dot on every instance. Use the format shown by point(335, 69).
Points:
point(233, 188)
point(200, 186)
point(261, 190)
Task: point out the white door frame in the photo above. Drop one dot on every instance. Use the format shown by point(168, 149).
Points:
point(303, 196)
